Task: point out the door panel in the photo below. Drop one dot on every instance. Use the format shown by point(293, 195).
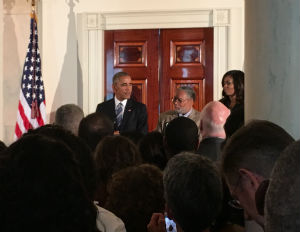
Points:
point(187, 60)
point(134, 52)
point(159, 61)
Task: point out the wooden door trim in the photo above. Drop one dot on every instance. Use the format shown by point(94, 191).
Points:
point(91, 48)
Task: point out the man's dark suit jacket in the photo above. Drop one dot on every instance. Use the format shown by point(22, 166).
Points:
point(211, 148)
point(134, 117)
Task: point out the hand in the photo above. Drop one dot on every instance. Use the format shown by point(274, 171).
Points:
point(157, 223)
point(116, 132)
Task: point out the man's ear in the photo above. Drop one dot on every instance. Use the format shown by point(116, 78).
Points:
point(255, 179)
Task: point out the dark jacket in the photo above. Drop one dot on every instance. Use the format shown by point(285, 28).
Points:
point(134, 117)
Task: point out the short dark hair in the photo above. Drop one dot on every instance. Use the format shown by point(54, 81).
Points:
point(152, 149)
point(69, 116)
point(193, 191)
point(94, 127)
point(134, 136)
point(181, 135)
point(135, 193)
point(82, 153)
point(238, 77)
point(41, 181)
point(283, 196)
point(256, 147)
point(112, 154)
point(2, 146)
point(189, 91)
point(118, 75)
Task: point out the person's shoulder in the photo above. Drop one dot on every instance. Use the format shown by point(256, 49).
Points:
point(106, 103)
point(196, 112)
point(107, 221)
point(136, 104)
point(168, 113)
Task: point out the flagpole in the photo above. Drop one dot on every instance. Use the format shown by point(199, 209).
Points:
point(32, 105)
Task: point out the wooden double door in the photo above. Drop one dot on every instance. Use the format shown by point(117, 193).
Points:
point(159, 61)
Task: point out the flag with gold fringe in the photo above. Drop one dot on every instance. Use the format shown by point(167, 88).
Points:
point(32, 105)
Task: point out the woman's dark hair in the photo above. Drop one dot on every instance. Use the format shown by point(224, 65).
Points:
point(152, 149)
point(112, 154)
point(81, 150)
point(238, 82)
point(135, 193)
point(41, 188)
point(2, 146)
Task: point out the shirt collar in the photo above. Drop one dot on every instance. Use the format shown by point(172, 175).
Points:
point(118, 101)
point(187, 114)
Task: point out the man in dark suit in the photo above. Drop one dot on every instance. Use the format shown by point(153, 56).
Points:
point(127, 114)
point(213, 118)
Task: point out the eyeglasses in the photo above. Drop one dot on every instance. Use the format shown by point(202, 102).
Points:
point(235, 203)
point(180, 100)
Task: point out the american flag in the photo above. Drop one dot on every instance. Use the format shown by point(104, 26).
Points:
point(32, 105)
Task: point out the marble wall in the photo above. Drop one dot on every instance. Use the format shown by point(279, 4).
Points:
point(272, 50)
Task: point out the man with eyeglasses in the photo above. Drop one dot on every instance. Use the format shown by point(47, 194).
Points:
point(247, 161)
point(183, 107)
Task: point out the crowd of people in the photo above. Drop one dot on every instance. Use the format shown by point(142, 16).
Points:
point(198, 171)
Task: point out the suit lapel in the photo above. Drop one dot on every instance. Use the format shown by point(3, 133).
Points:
point(127, 112)
point(112, 110)
point(192, 114)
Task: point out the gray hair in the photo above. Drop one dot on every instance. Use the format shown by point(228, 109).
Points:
point(189, 91)
point(193, 190)
point(69, 116)
point(283, 196)
point(118, 75)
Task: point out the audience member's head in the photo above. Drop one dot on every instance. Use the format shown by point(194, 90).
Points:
point(80, 149)
point(283, 196)
point(152, 149)
point(193, 191)
point(134, 194)
point(95, 127)
point(248, 159)
point(2, 146)
point(181, 135)
point(213, 118)
point(134, 136)
point(41, 189)
point(112, 154)
point(69, 116)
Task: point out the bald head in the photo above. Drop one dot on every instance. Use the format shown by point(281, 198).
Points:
point(213, 118)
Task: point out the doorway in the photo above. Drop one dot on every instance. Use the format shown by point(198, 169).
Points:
point(159, 61)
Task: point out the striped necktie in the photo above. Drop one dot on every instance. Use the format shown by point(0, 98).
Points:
point(119, 115)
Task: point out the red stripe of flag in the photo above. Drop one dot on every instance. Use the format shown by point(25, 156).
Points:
point(26, 122)
point(18, 132)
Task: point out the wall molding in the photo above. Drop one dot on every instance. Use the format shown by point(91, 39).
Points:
point(91, 28)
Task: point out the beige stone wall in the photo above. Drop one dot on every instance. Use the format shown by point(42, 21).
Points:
point(16, 16)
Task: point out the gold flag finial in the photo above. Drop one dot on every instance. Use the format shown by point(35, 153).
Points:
point(32, 4)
